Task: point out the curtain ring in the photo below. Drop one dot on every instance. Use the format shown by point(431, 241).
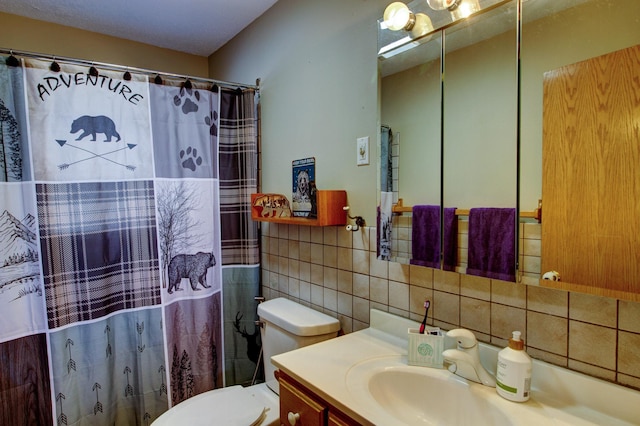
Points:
point(55, 67)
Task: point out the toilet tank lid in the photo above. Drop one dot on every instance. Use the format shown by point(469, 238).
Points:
point(297, 319)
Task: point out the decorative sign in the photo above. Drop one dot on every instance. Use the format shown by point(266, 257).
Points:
point(304, 176)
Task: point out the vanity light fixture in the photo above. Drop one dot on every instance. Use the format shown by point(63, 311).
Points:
point(397, 16)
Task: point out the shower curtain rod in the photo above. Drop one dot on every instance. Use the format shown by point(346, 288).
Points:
point(115, 67)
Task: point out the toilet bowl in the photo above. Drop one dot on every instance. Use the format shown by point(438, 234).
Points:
point(286, 325)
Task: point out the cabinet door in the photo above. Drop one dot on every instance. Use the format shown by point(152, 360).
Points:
point(590, 183)
point(294, 403)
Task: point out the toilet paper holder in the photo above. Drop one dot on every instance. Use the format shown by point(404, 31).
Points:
point(359, 221)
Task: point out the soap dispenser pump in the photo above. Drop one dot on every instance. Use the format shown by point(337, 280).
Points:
point(513, 373)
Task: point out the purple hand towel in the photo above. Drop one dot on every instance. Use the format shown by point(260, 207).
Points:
point(425, 236)
point(492, 252)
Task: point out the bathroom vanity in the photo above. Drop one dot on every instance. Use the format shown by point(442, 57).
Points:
point(363, 378)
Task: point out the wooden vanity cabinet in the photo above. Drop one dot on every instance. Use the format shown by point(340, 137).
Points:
point(301, 407)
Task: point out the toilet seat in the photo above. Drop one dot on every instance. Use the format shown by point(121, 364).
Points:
point(233, 405)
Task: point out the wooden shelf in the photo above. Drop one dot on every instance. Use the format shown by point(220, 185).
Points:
point(330, 212)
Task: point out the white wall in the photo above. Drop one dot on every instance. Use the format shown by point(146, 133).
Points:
point(319, 82)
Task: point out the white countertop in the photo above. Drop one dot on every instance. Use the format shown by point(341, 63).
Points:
point(559, 396)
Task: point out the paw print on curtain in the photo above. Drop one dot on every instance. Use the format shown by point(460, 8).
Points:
point(185, 130)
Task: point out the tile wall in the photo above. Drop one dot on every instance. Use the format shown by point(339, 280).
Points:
point(336, 271)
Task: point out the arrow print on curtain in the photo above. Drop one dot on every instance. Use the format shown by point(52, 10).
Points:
point(65, 166)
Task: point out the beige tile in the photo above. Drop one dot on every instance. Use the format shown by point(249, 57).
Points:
point(446, 307)
point(345, 304)
point(592, 370)
point(361, 261)
point(317, 295)
point(417, 296)
point(531, 265)
point(475, 314)
point(330, 256)
point(361, 285)
point(294, 249)
point(629, 353)
point(294, 268)
point(507, 319)
point(283, 265)
point(361, 239)
point(547, 333)
point(294, 288)
point(548, 357)
point(283, 284)
point(304, 233)
point(317, 274)
point(533, 231)
point(330, 278)
point(593, 309)
point(305, 251)
point(592, 344)
point(548, 301)
point(317, 253)
point(446, 281)
point(317, 234)
point(629, 316)
point(379, 290)
point(330, 300)
point(630, 381)
point(476, 287)
point(283, 247)
point(330, 235)
point(345, 281)
point(508, 293)
point(294, 232)
point(399, 272)
point(378, 268)
point(399, 295)
point(305, 271)
point(361, 310)
point(345, 258)
point(305, 291)
point(532, 247)
point(282, 231)
point(421, 276)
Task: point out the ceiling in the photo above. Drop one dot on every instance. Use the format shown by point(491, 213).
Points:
point(199, 27)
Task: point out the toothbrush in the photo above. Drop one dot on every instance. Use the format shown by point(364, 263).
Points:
point(426, 311)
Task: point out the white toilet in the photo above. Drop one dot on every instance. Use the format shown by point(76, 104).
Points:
point(287, 326)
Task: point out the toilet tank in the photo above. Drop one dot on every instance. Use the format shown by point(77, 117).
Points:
point(287, 326)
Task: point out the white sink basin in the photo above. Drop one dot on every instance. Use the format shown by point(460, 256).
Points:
point(408, 395)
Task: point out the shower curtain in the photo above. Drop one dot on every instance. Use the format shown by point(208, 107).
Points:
point(128, 259)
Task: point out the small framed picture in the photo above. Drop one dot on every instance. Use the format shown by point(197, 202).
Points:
point(303, 177)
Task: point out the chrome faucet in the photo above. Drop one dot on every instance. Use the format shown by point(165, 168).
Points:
point(465, 360)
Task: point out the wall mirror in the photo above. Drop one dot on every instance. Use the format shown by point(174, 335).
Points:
point(446, 164)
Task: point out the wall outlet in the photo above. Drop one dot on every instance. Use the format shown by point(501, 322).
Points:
point(362, 151)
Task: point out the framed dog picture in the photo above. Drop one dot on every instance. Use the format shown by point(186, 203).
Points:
point(304, 176)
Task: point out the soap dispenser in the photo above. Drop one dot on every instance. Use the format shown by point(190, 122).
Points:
point(513, 374)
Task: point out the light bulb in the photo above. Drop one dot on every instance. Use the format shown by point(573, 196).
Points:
point(464, 9)
point(422, 26)
point(397, 16)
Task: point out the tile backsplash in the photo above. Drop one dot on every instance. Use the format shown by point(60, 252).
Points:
point(336, 271)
